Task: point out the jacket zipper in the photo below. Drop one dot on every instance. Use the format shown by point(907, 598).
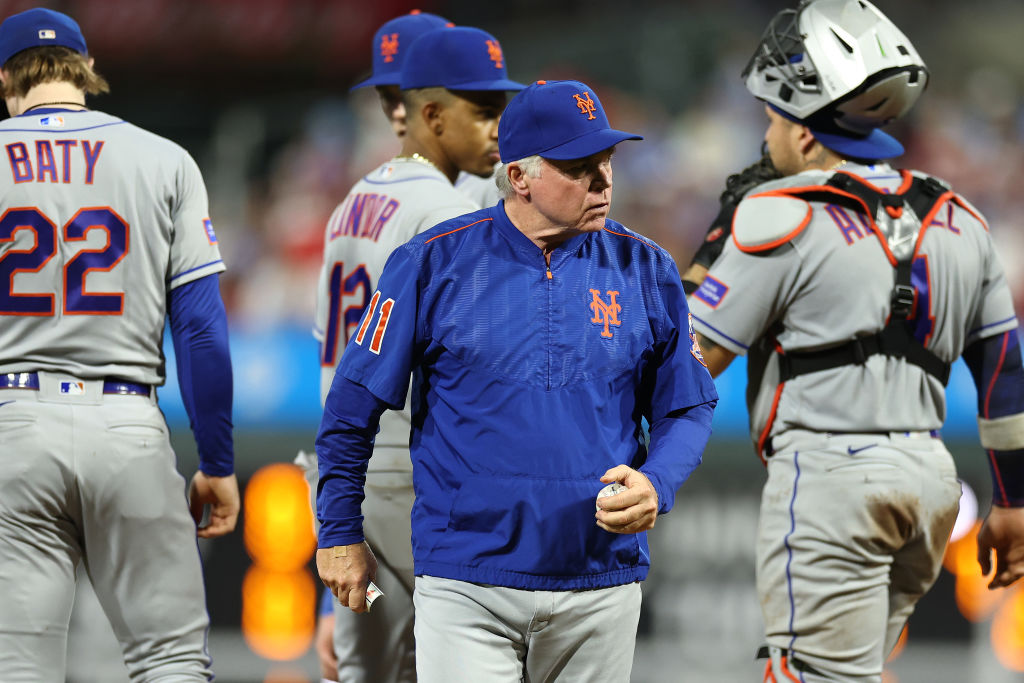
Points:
point(550, 277)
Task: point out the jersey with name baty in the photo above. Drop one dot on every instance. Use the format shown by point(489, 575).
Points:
point(101, 219)
point(385, 209)
point(830, 281)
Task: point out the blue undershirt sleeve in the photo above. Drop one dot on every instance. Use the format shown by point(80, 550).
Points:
point(343, 448)
point(199, 331)
point(995, 365)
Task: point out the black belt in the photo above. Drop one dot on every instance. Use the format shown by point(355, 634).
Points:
point(111, 385)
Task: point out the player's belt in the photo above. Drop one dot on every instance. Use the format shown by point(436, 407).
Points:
point(111, 385)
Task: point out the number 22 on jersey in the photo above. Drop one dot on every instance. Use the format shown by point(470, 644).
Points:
point(76, 299)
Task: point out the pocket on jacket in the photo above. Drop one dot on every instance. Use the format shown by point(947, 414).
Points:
point(535, 525)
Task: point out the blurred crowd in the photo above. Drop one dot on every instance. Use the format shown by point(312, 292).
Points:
point(665, 187)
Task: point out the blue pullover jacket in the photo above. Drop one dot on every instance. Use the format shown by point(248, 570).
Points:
point(529, 383)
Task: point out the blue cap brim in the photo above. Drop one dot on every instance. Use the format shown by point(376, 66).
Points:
point(877, 145)
point(384, 79)
point(588, 144)
point(499, 84)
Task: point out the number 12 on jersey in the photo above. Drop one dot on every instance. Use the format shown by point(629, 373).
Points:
point(354, 289)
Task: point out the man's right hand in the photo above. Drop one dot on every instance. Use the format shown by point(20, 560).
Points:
point(347, 570)
point(1002, 532)
point(221, 494)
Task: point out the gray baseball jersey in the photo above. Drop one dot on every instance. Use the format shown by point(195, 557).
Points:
point(860, 492)
point(101, 219)
point(84, 271)
point(482, 191)
point(799, 296)
point(393, 203)
point(384, 210)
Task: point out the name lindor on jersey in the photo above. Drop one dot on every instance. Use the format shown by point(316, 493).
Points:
point(56, 161)
point(363, 216)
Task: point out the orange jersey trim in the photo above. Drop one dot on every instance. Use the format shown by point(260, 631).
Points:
point(763, 439)
point(632, 237)
point(482, 220)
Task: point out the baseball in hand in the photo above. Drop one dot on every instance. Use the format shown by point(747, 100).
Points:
point(610, 490)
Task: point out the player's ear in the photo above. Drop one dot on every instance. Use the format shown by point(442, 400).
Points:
point(433, 116)
point(805, 140)
point(518, 179)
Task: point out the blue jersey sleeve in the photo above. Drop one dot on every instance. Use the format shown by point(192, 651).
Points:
point(343, 448)
point(682, 397)
point(379, 356)
point(372, 376)
point(199, 331)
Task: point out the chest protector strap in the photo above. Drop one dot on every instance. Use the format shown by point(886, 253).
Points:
point(923, 196)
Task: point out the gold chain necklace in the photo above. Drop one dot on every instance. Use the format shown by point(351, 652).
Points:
point(415, 156)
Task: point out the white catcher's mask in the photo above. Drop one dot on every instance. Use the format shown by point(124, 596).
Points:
point(836, 65)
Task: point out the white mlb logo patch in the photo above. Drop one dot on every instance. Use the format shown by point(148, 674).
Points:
point(72, 388)
point(47, 34)
point(52, 122)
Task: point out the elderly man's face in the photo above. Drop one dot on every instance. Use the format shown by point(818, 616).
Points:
point(575, 194)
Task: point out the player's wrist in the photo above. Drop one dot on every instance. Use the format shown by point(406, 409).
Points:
point(217, 471)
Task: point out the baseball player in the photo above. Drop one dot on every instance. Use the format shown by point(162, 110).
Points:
point(853, 286)
point(390, 45)
point(455, 92)
point(104, 233)
point(540, 333)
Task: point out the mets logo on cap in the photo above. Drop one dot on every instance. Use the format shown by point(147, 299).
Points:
point(389, 46)
point(586, 105)
point(494, 52)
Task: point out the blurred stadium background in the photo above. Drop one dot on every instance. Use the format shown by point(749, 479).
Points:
point(257, 91)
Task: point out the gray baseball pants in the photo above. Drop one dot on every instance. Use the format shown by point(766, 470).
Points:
point(92, 477)
point(851, 534)
point(492, 634)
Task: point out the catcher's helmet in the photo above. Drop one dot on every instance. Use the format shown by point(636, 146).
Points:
point(838, 66)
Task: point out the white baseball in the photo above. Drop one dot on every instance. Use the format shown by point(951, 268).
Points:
point(610, 490)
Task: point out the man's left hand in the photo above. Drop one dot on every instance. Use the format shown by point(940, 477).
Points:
point(630, 511)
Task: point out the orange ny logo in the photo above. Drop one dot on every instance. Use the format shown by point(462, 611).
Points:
point(494, 52)
point(389, 46)
point(605, 313)
point(586, 107)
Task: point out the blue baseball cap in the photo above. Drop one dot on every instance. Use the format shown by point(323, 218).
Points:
point(872, 144)
point(456, 58)
point(37, 28)
point(392, 41)
point(556, 120)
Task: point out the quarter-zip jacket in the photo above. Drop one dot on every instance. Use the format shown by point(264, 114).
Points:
point(529, 383)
